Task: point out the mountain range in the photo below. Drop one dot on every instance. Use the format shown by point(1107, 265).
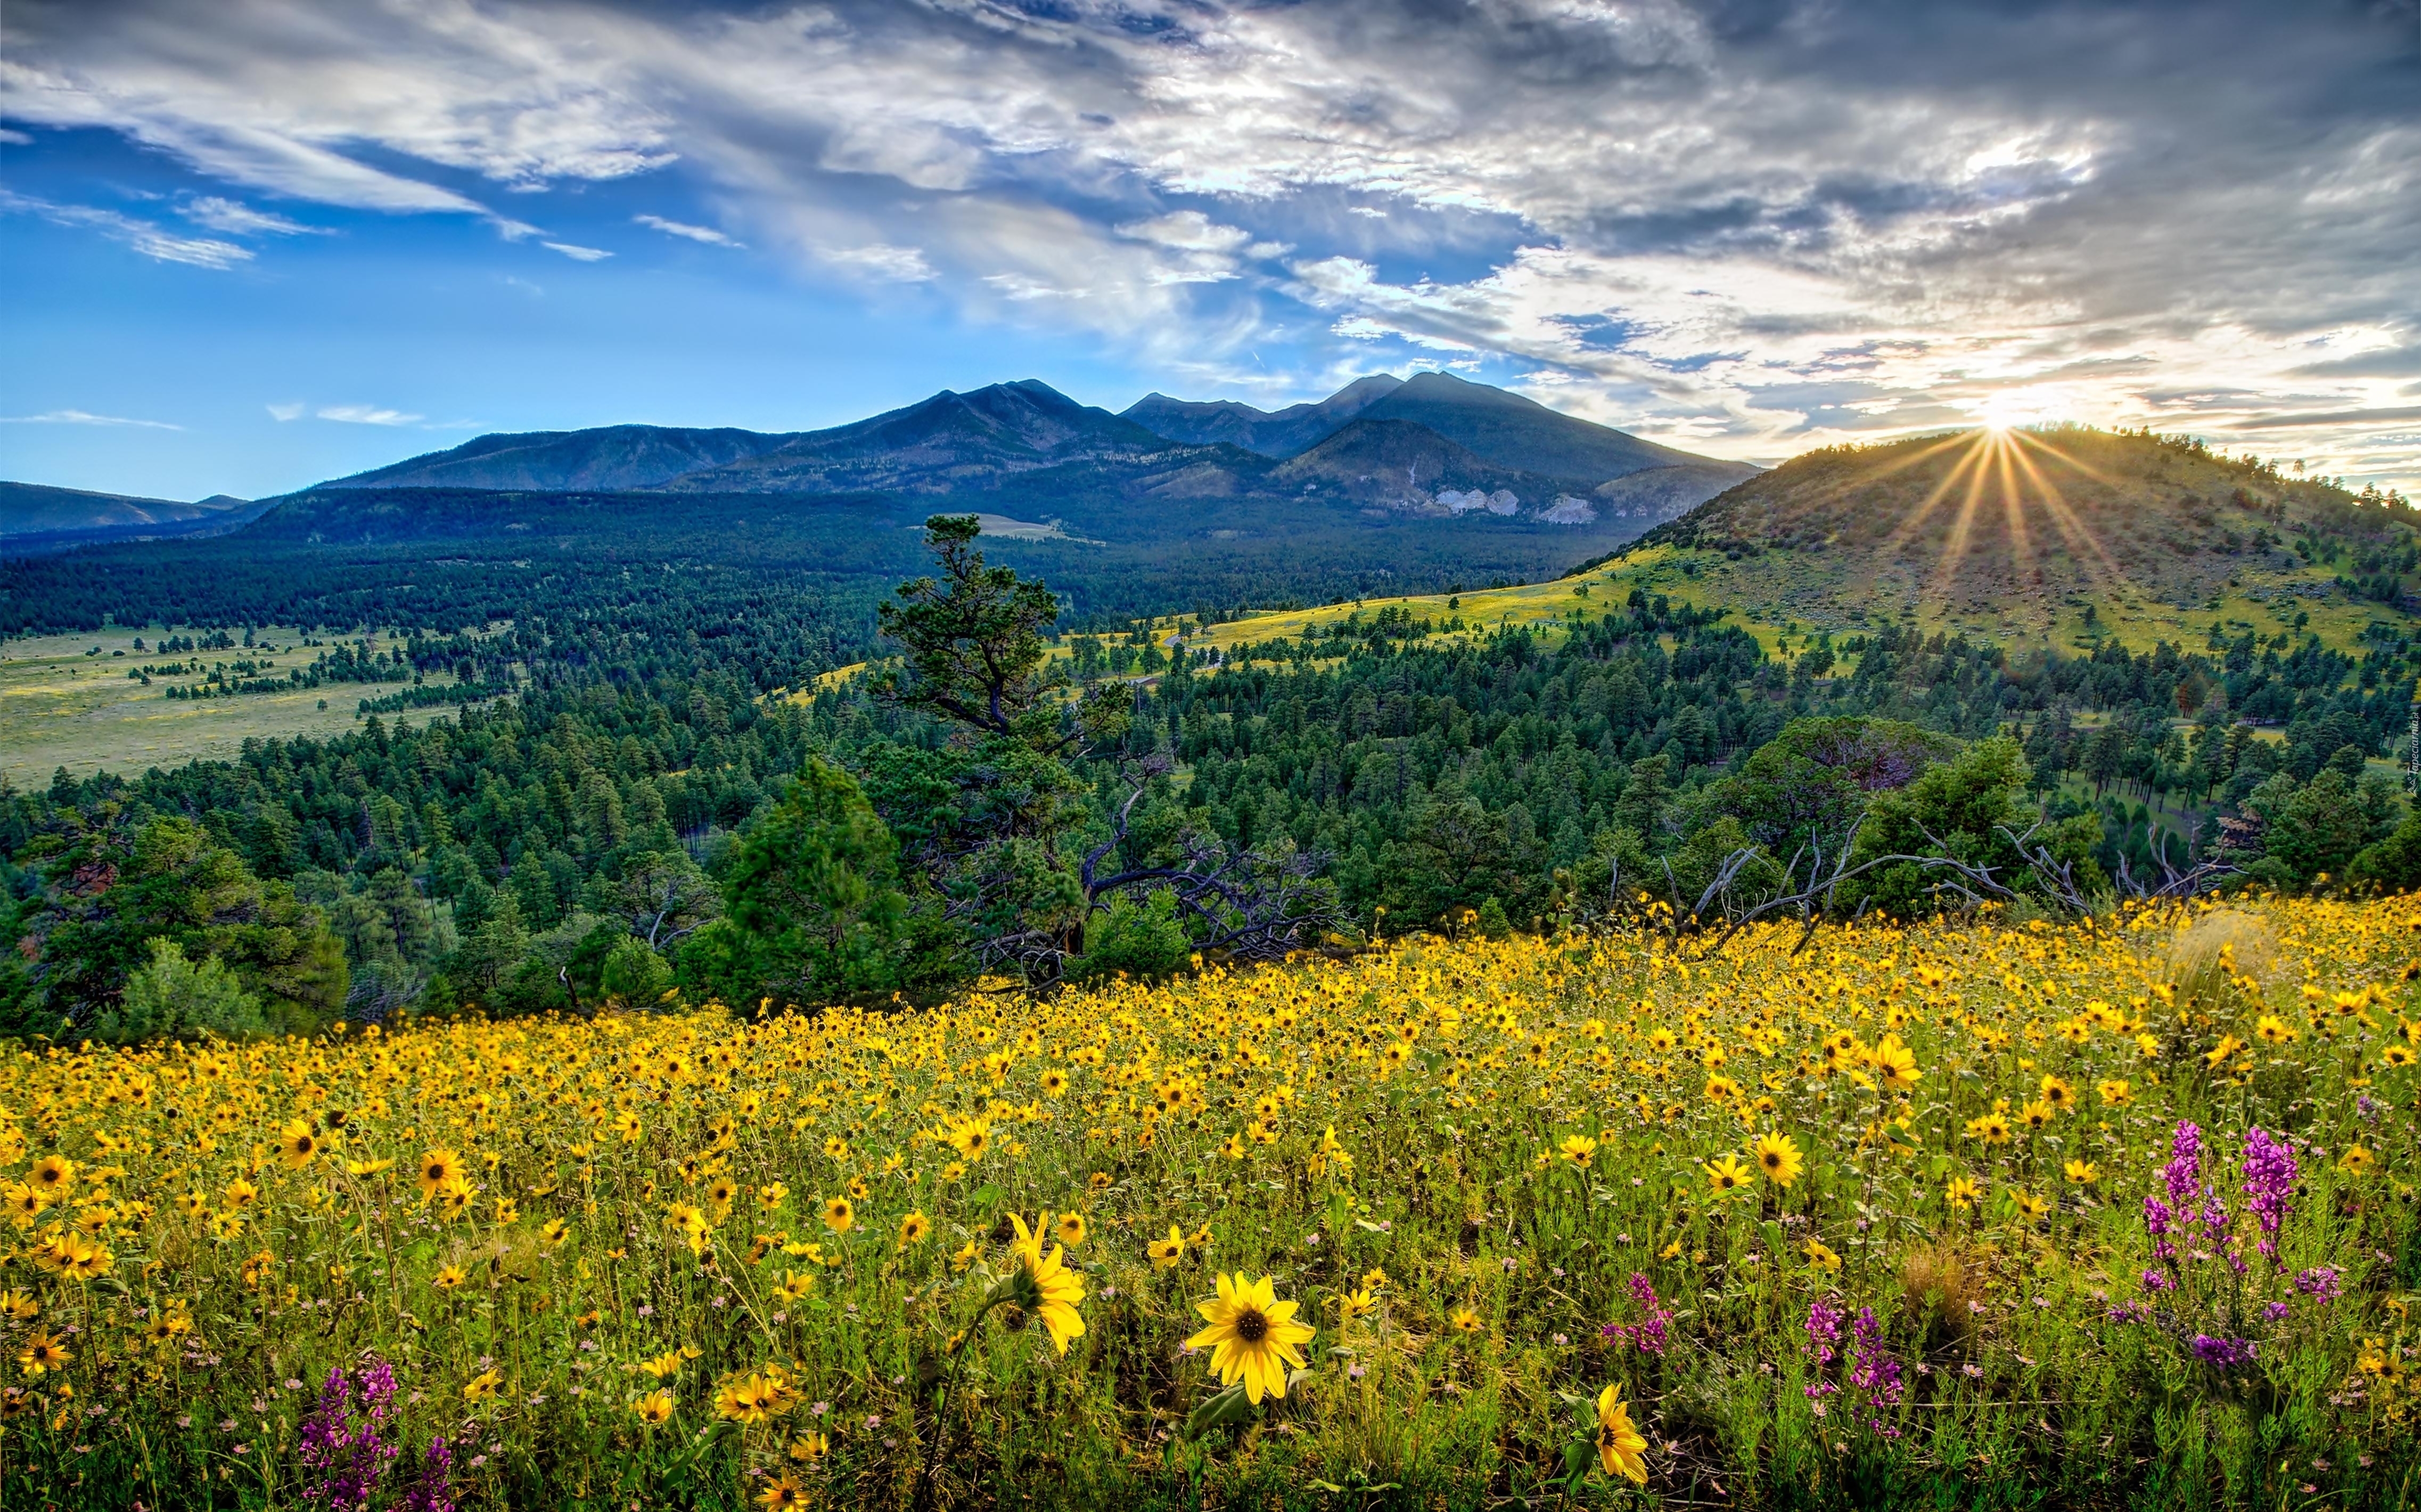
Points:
point(1434, 445)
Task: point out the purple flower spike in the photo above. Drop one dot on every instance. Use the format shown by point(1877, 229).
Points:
point(2269, 1181)
point(342, 1462)
point(2228, 1354)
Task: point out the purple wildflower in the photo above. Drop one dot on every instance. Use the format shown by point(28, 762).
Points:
point(342, 1463)
point(2269, 1180)
point(432, 1487)
point(2228, 1354)
point(2184, 1170)
point(1824, 1328)
point(1647, 1335)
point(1871, 1369)
point(2320, 1283)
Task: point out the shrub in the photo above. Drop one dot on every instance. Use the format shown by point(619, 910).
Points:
point(1144, 940)
point(172, 998)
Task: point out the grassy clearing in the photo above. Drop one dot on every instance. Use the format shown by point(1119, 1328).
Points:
point(62, 705)
point(1780, 592)
point(1862, 1227)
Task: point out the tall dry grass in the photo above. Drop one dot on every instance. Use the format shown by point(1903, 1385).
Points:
point(2210, 954)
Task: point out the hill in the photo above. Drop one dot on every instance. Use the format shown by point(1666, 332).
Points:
point(2139, 540)
point(38, 520)
point(35, 508)
point(1494, 428)
point(1512, 431)
point(2060, 531)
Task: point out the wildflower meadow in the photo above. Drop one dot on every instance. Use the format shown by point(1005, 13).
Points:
point(1979, 1213)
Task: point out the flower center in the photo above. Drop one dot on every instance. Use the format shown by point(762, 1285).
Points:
point(1251, 1326)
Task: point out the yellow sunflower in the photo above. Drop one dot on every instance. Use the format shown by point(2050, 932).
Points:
point(1778, 1157)
point(1055, 1291)
point(438, 1168)
point(1252, 1336)
point(653, 1408)
point(42, 1353)
point(298, 1144)
point(1165, 1253)
point(1620, 1447)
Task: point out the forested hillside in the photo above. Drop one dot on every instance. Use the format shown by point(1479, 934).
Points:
point(622, 827)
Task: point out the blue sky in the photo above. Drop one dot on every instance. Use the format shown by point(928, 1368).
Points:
point(247, 245)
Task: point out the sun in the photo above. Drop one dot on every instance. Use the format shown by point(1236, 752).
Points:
point(2010, 408)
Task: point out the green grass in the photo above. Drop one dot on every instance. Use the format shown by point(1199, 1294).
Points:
point(63, 706)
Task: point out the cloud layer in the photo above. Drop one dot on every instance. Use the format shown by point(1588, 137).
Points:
point(1744, 226)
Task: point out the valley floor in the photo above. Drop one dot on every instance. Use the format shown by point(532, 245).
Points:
point(62, 705)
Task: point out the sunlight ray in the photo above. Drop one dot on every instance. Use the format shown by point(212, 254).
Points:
point(2022, 546)
point(1954, 547)
point(2072, 526)
point(2029, 439)
point(1924, 510)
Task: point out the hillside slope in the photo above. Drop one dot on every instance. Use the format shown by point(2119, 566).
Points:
point(1562, 471)
point(2021, 533)
point(32, 508)
point(1511, 432)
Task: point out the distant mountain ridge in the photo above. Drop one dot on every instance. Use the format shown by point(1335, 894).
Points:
point(1281, 433)
point(1396, 447)
point(552, 461)
point(949, 441)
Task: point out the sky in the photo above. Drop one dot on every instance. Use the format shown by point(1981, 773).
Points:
point(249, 244)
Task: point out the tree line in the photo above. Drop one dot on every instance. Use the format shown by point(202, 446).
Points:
point(643, 824)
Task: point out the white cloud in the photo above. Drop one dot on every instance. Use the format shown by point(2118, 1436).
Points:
point(283, 413)
point(365, 414)
point(14, 138)
point(577, 254)
point(707, 234)
point(141, 236)
point(83, 417)
point(242, 220)
point(898, 265)
point(1660, 210)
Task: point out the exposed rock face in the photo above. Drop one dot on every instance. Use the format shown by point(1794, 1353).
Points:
point(1501, 502)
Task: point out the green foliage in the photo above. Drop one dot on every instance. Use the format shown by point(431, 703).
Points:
point(112, 882)
point(172, 998)
point(1144, 940)
point(634, 975)
point(813, 907)
point(2316, 829)
point(1970, 809)
point(972, 639)
point(2393, 863)
point(1491, 922)
point(1804, 789)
